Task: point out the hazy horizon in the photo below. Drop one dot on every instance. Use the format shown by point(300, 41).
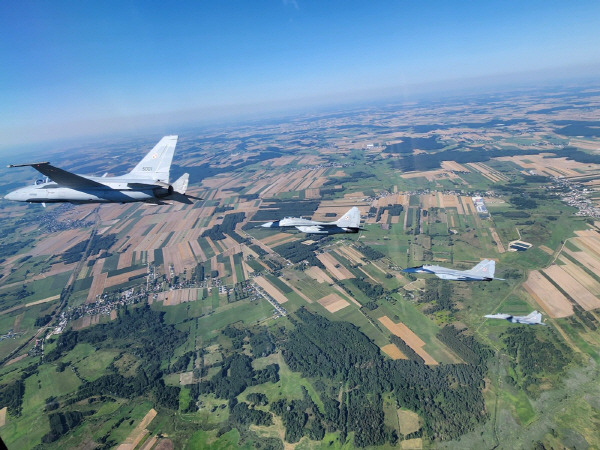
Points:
point(82, 69)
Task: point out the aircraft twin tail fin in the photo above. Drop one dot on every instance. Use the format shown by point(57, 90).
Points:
point(485, 268)
point(180, 186)
point(157, 163)
point(350, 220)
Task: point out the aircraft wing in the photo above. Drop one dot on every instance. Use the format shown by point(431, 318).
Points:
point(62, 177)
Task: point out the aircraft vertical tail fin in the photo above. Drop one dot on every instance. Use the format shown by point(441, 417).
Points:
point(180, 186)
point(157, 163)
point(534, 316)
point(485, 268)
point(349, 220)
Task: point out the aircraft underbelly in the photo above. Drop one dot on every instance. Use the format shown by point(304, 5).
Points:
point(90, 196)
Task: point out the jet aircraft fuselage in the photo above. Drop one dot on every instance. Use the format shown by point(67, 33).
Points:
point(148, 181)
point(348, 223)
point(533, 318)
point(484, 271)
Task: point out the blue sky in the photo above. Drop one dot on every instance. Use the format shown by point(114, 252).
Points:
point(71, 68)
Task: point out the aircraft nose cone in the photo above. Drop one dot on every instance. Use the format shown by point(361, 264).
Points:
point(10, 196)
point(267, 225)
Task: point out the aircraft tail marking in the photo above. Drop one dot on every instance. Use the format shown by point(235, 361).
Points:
point(157, 163)
point(351, 219)
point(485, 268)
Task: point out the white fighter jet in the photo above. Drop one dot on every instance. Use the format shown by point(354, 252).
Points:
point(534, 318)
point(484, 271)
point(348, 223)
point(147, 182)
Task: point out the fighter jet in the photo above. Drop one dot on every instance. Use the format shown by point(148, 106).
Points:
point(534, 318)
point(484, 271)
point(147, 182)
point(348, 223)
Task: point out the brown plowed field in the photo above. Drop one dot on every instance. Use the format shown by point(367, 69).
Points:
point(393, 352)
point(271, 290)
point(333, 303)
point(580, 275)
point(97, 287)
point(547, 296)
point(340, 272)
point(586, 259)
point(3, 416)
point(572, 287)
point(453, 165)
point(318, 274)
point(177, 296)
point(123, 278)
point(407, 335)
point(138, 432)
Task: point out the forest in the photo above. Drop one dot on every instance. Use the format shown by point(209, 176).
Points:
point(297, 251)
point(535, 356)
point(217, 232)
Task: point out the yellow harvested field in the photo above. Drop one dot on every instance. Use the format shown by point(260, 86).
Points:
point(588, 233)
point(452, 201)
point(333, 303)
point(55, 242)
point(3, 416)
point(488, 172)
point(125, 259)
point(409, 421)
point(407, 335)
point(271, 290)
point(45, 300)
point(589, 245)
point(334, 267)
point(551, 166)
point(429, 200)
point(151, 442)
point(280, 238)
point(123, 277)
point(454, 166)
point(546, 249)
point(393, 352)
point(431, 175)
point(547, 296)
point(571, 286)
point(318, 274)
point(412, 444)
point(177, 296)
point(580, 275)
point(352, 254)
point(584, 258)
point(138, 432)
point(97, 282)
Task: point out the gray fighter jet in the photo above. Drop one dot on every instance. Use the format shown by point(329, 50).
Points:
point(534, 318)
point(147, 182)
point(484, 271)
point(348, 223)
